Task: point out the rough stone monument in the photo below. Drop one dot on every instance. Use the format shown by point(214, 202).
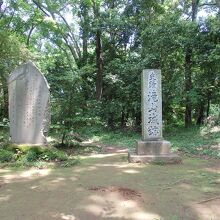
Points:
point(152, 147)
point(29, 105)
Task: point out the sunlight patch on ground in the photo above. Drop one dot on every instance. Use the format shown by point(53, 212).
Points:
point(145, 216)
point(34, 187)
point(57, 180)
point(207, 189)
point(88, 142)
point(98, 156)
point(65, 217)
point(73, 178)
point(131, 171)
point(29, 174)
point(119, 165)
point(213, 170)
point(208, 210)
point(185, 186)
point(112, 205)
point(4, 171)
point(83, 169)
point(4, 198)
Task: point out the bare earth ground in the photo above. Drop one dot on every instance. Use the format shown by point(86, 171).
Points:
point(106, 186)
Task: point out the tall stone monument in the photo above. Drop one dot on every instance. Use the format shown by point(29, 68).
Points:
point(152, 147)
point(29, 105)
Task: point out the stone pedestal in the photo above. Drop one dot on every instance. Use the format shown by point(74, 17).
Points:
point(152, 147)
point(153, 152)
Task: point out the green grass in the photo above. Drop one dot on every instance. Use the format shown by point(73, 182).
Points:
point(36, 156)
point(119, 138)
point(194, 140)
point(202, 141)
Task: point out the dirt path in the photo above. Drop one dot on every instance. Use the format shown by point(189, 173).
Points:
point(107, 187)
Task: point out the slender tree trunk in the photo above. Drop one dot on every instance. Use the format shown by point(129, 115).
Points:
point(188, 70)
point(29, 35)
point(99, 55)
point(138, 120)
point(100, 66)
point(85, 47)
point(123, 119)
point(5, 95)
point(85, 30)
point(201, 109)
point(111, 122)
point(208, 105)
point(63, 138)
point(188, 87)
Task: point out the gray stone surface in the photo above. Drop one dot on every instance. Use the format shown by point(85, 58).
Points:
point(29, 105)
point(152, 147)
point(151, 104)
point(162, 158)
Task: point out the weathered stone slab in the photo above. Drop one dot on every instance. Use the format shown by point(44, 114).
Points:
point(29, 105)
point(163, 158)
point(151, 105)
point(152, 147)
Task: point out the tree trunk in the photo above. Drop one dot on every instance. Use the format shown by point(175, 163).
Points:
point(200, 118)
point(100, 66)
point(29, 35)
point(138, 119)
point(123, 119)
point(99, 55)
point(208, 106)
point(188, 87)
point(5, 96)
point(188, 70)
point(111, 123)
point(85, 30)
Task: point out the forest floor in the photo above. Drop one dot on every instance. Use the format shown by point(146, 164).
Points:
point(106, 186)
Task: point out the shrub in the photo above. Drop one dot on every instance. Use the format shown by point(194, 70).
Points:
point(6, 156)
point(51, 155)
point(32, 156)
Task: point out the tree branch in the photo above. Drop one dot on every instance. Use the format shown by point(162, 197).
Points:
point(41, 8)
point(71, 35)
point(29, 34)
point(207, 4)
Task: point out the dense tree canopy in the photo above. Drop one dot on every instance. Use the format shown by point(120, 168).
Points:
point(93, 51)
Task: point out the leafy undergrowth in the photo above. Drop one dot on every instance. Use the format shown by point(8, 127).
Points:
point(199, 141)
point(77, 149)
point(196, 141)
point(41, 157)
point(108, 137)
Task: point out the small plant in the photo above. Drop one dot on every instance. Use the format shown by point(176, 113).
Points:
point(54, 155)
point(32, 156)
point(70, 162)
point(158, 162)
point(6, 156)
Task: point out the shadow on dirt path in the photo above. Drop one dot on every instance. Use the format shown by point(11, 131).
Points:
point(106, 186)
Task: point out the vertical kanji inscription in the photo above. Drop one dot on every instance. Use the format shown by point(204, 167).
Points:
point(151, 105)
point(28, 105)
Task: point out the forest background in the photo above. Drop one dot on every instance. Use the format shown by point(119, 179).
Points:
point(92, 53)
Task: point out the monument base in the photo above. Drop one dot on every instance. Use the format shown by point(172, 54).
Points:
point(153, 152)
